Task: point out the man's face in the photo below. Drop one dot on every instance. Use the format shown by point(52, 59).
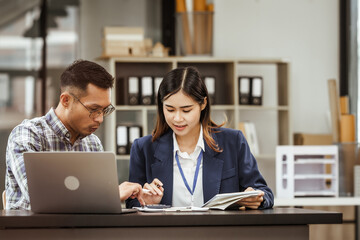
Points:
point(78, 120)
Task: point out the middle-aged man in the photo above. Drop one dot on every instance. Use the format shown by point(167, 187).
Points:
point(84, 102)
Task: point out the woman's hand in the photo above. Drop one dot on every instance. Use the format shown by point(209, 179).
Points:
point(156, 192)
point(131, 190)
point(251, 202)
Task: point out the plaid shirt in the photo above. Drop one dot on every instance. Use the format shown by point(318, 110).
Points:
point(46, 133)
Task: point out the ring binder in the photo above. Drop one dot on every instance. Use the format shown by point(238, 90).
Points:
point(210, 85)
point(244, 90)
point(134, 133)
point(256, 91)
point(126, 133)
point(121, 140)
point(147, 91)
point(133, 90)
point(157, 82)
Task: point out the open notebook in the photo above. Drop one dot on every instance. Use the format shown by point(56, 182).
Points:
point(224, 201)
point(221, 201)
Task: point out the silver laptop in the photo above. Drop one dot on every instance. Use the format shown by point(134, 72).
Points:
point(73, 182)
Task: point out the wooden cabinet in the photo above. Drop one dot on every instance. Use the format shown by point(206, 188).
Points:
point(272, 119)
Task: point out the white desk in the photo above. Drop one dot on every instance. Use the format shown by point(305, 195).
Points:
point(324, 201)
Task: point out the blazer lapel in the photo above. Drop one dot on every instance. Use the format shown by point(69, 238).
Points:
point(162, 168)
point(212, 172)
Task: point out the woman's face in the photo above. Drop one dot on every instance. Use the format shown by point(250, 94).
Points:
point(182, 114)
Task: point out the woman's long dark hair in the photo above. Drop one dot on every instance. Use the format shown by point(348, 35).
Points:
point(189, 81)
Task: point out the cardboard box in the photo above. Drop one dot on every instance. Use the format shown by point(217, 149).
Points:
point(344, 105)
point(312, 139)
point(347, 128)
point(124, 41)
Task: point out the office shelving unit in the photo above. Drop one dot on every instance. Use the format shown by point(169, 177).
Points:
point(305, 171)
point(226, 72)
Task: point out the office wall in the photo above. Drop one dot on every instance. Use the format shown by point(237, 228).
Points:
point(96, 14)
point(306, 32)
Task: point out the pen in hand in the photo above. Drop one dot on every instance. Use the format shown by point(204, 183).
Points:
point(146, 191)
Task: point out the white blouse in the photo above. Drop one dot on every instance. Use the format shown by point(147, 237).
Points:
point(181, 196)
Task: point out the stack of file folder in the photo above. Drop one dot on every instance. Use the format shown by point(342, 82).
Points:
point(125, 136)
point(137, 90)
point(250, 90)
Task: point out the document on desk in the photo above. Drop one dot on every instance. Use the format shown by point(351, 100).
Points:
point(225, 201)
point(172, 209)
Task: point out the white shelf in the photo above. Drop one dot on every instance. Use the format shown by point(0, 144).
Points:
point(310, 176)
point(311, 161)
point(315, 161)
point(263, 60)
point(313, 176)
point(141, 59)
point(263, 108)
point(313, 193)
point(317, 201)
point(201, 59)
point(222, 107)
point(135, 108)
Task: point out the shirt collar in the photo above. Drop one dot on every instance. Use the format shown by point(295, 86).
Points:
point(199, 144)
point(56, 124)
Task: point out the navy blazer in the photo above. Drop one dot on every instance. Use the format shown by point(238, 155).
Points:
point(232, 170)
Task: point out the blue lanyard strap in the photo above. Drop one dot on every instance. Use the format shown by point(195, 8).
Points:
point(196, 172)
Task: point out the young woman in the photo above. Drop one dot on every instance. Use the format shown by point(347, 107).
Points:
point(189, 159)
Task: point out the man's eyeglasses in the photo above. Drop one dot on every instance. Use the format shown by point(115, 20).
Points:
point(95, 113)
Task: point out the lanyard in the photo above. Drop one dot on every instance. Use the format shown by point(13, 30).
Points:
point(196, 172)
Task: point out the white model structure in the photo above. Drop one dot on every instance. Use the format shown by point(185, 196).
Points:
point(303, 171)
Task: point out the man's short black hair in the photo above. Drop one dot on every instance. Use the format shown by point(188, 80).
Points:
point(81, 72)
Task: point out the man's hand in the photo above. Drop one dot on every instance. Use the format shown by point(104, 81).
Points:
point(131, 190)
